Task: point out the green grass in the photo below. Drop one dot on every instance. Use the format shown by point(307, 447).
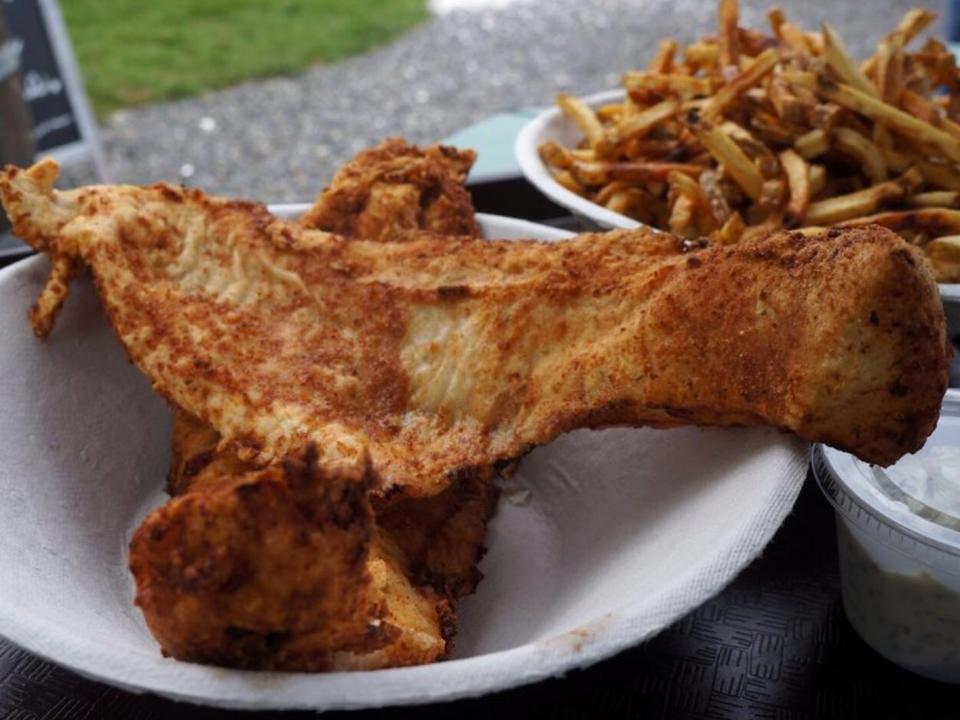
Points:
point(140, 51)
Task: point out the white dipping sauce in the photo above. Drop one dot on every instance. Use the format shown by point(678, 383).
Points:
point(898, 535)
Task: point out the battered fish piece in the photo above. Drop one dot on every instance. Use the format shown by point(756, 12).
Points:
point(440, 357)
point(419, 558)
point(395, 187)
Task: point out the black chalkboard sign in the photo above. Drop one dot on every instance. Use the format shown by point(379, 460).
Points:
point(62, 124)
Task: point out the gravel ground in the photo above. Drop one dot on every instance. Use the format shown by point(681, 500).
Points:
point(281, 139)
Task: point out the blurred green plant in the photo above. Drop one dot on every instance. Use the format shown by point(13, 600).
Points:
point(140, 51)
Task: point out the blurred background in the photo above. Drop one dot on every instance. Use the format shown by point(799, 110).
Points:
point(265, 100)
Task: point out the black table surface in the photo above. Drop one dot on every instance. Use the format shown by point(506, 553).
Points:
point(775, 644)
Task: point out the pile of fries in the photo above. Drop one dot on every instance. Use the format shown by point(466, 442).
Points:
point(741, 134)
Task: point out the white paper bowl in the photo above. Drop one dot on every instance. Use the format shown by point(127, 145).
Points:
point(552, 124)
point(624, 532)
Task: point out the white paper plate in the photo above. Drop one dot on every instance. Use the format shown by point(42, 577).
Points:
point(552, 124)
point(624, 532)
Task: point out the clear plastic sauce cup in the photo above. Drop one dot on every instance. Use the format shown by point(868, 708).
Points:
point(898, 535)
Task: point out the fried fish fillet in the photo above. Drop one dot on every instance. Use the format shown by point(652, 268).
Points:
point(224, 573)
point(439, 357)
point(395, 187)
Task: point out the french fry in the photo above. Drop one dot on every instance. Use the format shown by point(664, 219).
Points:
point(772, 194)
point(681, 216)
point(753, 42)
point(727, 153)
point(774, 130)
point(630, 107)
point(865, 152)
point(944, 254)
point(946, 247)
point(792, 38)
point(928, 111)
point(565, 179)
point(632, 202)
point(716, 201)
point(912, 23)
point(600, 173)
point(701, 54)
point(662, 62)
point(882, 112)
point(825, 116)
point(685, 185)
point(816, 42)
point(726, 95)
point(897, 161)
point(846, 207)
point(937, 221)
point(939, 174)
point(920, 107)
point(682, 184)
point(730, 232)
point(818, 179)
point(882, 137)
point(609, 113)
point(776, 18)
point(588, 154)
point(754, 149)
point(798, 183)
point(653, 149)
point(583, 117)
point(863, 202)
point(889, 72)
point(641, 123)
point(937, 64)
point(811, 144)
point(554, 154)
point(772, 223)
point(669, 83)
point(729, 38)
point(839, 59)
point(788, 106)
point(935, 198)
point(607, 191)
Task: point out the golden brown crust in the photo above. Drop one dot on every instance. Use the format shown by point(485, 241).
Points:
point(422, 558)
point(263, 570)
point(443, 356)
point(195, 459)
point(396, 187)
point(442, 536)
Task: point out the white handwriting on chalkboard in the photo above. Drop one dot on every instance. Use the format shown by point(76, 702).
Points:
point(52, 125)
point(38, 85)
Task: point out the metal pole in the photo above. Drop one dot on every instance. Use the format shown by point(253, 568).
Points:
point(16, 140)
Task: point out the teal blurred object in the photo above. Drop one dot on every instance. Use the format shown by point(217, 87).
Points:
point(493, 140)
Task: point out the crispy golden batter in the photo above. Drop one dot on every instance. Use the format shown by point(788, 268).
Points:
point(265, 569)
point(443, 356)
point(420, 558)
point(395, 187)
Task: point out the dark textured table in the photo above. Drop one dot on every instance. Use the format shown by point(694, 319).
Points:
point(775, 644)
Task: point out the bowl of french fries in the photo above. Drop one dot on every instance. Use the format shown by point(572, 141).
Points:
point(749, 131)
